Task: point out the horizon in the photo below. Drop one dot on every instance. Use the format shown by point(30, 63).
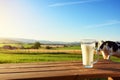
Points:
point(68, 21)
point(11, 38)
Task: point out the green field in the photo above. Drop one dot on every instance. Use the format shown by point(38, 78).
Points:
point(37, 57)
point(28, 45)
point(1, 45)
point(76, 47)
point(8, 56)
point(67, 53)
point(17, 44)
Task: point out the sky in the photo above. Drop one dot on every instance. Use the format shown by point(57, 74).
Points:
point(60, 20)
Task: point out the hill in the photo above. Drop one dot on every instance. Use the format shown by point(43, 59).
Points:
point(6, 41)
point(22, 40)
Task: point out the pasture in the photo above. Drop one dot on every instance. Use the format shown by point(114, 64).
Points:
point(66, 53)
point(27, 56)
point(30, 55)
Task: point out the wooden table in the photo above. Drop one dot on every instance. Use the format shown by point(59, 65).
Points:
point(59, 71)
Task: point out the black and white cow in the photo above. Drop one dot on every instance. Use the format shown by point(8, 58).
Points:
point(109, 48)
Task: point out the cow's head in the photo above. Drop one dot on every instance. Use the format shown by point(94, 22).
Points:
point(108, 48)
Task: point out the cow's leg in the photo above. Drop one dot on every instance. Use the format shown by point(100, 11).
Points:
point(108, 57)
point(105, 56)
point(110, 54)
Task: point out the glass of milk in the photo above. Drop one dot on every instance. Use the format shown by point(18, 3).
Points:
point(88, 50)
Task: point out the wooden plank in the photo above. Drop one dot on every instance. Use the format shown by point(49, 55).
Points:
point(59, 70)
point(51, 70)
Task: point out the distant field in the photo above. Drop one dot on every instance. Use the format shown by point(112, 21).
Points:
point(1, 45)
point(76, 47)
point(17, 45)
point(25, 45)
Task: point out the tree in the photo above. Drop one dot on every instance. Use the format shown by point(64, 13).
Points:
point(36, 45)
point(48, 47)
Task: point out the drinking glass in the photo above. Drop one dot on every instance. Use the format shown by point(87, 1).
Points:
point(88, 50)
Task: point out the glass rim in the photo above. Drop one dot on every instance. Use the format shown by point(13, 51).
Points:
point(87, 41)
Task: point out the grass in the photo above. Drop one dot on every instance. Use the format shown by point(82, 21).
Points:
point(69, 48)
point(13, 56)
point(1, 44)
point(21, 57)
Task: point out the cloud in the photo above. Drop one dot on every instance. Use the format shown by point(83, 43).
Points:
point(71, 3)
point(109, 23)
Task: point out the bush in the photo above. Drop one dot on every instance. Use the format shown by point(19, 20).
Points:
point(48, 47)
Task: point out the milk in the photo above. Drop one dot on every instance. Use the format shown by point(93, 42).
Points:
point(87, 54)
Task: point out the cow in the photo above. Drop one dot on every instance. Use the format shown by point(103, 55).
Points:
point(109, 48)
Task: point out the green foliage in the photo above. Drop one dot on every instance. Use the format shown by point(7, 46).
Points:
point(36, 45)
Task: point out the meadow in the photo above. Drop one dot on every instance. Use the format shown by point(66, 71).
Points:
point(37, 57)
point(67, 53)
point(27, 56)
